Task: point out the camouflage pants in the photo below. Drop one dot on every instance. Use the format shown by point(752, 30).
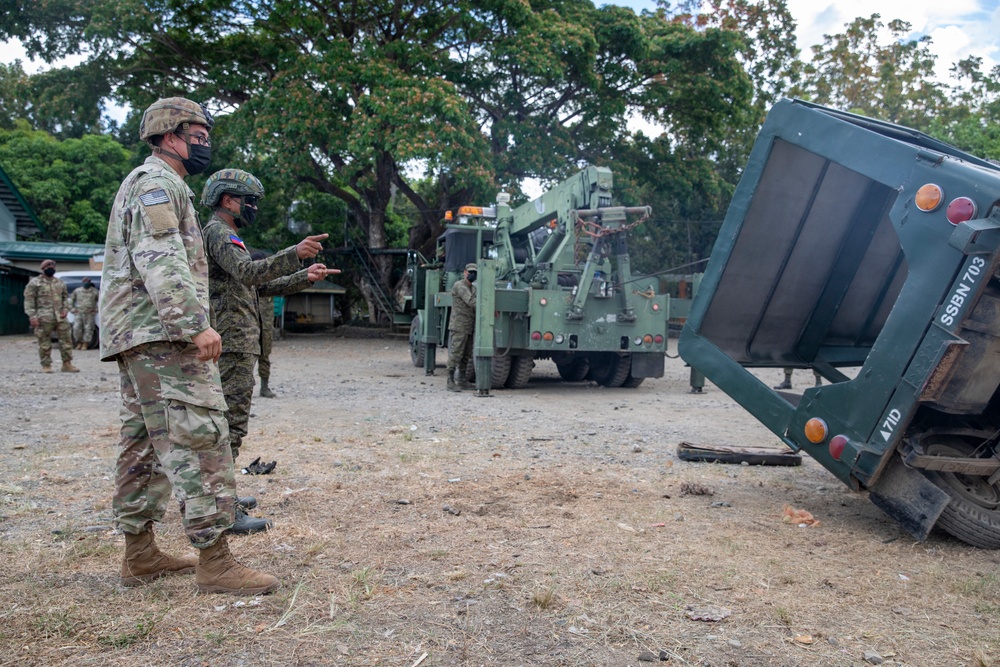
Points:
point(44, 334)
point(264, 361)
point(459, 351)
point(83, 327)
point(237, 384)
point(173, 434)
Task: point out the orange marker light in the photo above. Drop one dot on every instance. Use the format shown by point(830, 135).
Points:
point(929, 197)
point(547, 336)
point(816, 430)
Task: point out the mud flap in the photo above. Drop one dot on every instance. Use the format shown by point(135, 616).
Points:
point(909, 498)
point(646, 365)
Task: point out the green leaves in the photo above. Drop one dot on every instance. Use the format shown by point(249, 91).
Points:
point(70, 184)
point(891, 80)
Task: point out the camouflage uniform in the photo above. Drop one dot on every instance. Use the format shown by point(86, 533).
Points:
point(236, 283)
point(46, 298)
point(153, 301)
point(462, 324)
point(84, 304)
point(266, 338)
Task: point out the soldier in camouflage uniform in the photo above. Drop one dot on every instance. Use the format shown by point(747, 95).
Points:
point(83, 302)
point(46, 303)
point(155, 324)
point(266, 336)
point(235, 283)
point(461, 325)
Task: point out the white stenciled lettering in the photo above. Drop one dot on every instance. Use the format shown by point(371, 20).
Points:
point(890, 423)
point(962, 292)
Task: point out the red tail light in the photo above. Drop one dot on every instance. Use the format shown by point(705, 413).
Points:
point(960, 210)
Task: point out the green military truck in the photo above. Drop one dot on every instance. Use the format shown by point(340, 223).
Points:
point(555, 282)
point(861, 246)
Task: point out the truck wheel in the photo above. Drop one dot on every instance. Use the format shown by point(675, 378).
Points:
point(520, 372)
point(973, 515)
point(418, 351)
point(574, 371)
point(632, 382)
point(501, 369)
point(609, 369)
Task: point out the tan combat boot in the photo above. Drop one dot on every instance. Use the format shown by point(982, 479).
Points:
point(144, 562)
point(68, 367)
point(46, 369)
point(218, 572)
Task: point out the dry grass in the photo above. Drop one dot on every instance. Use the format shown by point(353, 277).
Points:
point(561, 544)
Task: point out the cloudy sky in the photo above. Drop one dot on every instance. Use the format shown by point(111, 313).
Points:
point(958, 28)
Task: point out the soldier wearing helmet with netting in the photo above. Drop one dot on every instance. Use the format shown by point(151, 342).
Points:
point(155, 324)
point(236, 281)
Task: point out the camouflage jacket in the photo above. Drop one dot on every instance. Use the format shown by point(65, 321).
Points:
point(463, 307)
point(154, 285)
point(236, 282)
point(84, 299)
point(45, 298)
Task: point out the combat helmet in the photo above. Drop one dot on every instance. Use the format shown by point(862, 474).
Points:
point(234, 182)
point(167, 114)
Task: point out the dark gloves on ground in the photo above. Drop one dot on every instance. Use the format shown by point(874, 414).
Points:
point(258, 468)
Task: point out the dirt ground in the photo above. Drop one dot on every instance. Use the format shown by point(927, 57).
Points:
point(414, 527)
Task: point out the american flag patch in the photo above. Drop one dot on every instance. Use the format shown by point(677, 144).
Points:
point(154, 197)
point(236, 241)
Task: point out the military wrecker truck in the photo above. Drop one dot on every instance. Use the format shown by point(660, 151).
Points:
point(554, 283)
point(861, 246)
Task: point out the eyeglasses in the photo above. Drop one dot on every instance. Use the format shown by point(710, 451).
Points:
point(200, 139)
point(250, 200)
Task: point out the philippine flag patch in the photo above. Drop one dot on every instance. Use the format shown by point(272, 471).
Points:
point(236, 241)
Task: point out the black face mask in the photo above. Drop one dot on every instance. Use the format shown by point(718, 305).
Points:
point(87, 285)
point(247, 215)
point(472, 276)
point(49, 272)
point(198, 158)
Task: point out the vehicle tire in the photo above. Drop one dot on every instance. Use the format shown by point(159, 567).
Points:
point(576, 370)
point(631, 382)
point(609, 369)
point(520, 372)
point(973, 514)
point(418, 351)
point(501, 369)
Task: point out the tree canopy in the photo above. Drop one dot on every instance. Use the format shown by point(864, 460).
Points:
point(369, 120)
point(70, 184)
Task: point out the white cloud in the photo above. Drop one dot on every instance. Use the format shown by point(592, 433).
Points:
point(957, 28)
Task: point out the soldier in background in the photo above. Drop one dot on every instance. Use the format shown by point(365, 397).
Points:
point(83, 302)
point(787, 384)
point(266, 335)
point(462, 324)
point(46, 302)
point(155, 324)
point(236, 282)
